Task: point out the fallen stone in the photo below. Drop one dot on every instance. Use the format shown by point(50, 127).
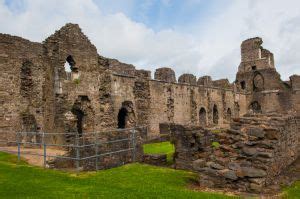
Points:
point(229, 174)
point(256, 132)
point(252, 172)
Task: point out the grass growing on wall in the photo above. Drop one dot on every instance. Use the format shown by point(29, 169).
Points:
point(129, 181)
point(160, 148)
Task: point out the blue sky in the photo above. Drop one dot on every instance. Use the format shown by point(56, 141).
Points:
point(201, 37)
point(162, 14)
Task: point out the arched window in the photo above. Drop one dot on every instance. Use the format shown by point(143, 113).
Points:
point(258, 82)
point(215, 115)
point(71, 69)
point(202, 117)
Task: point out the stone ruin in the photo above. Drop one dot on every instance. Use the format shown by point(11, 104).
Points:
point(63, 85)
point(248, 156)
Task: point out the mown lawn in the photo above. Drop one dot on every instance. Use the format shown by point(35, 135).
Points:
point(160, 148)
point(20, 180)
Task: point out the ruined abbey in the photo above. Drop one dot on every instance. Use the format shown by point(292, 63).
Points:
point(37, 94)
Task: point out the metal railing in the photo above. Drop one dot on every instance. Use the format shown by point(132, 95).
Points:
point(87, 148)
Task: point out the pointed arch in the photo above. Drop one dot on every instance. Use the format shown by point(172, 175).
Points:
point(202, 117)
point(215, 114)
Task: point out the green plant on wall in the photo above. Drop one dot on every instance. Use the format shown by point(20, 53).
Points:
point(215, 145)
point(77, 81)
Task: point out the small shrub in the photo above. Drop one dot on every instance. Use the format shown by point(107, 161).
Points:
point(77, 81)
point(215, 145)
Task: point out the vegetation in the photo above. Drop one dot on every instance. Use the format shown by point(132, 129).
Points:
point(292, 192)
point(215, 145)
point(160, 148)
point(76, 81)
point(129, 181)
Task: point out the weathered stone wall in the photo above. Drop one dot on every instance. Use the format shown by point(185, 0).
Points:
point(246, 157)
point(22, 80)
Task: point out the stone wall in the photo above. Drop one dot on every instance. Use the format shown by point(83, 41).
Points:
point(247, 157)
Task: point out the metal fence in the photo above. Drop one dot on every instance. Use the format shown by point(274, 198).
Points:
point(120, 145)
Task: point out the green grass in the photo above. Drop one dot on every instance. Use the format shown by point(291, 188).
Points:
point(129, 181)
point(160, 148)
point(292, 192)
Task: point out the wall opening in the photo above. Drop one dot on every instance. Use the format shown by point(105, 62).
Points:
point(243, 85)
point(255, 107)
point(84, 113)
point(71, 69)
point(29, 124)
point(253, 67)
point(122, 117)
point(202, 117)
point(228, 115)
point(258, 82)
point(126, 116)
point(79, 116)
point(215, 115)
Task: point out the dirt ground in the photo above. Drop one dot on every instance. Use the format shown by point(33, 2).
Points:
point(27, 154)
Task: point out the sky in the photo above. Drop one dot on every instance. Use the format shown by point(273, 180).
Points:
point(201, 37)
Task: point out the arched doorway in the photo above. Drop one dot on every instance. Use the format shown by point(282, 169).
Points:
point(228, 115)
point(126, 116)
point(202, 117)
point(255, 107)
point(215, 115)
point(122, 116)
point(84, 113)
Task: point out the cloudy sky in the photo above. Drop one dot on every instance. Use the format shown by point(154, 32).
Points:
point(192, 36)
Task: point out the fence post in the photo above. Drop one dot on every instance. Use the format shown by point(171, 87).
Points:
point(45, 149)
point(133, 145)
point(19, 147)
point(77, 151)
point(96, 150)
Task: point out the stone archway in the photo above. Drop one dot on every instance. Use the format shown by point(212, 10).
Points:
point(202, 117)
point(215, 114)
point(228, 115)
point(84, 113)
point(126, 115)
point(255, 107)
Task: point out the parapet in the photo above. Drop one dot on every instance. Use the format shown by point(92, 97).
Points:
point(188, 79)
point(165, 74)
point(222, 83)
point(204, 81)
point(295, 82)
point(121, 68)
point(145, 74)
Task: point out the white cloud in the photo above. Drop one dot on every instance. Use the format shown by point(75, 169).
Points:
point(212, 49)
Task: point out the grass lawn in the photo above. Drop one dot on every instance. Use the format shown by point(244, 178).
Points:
point(160, 148)
point(20, 180)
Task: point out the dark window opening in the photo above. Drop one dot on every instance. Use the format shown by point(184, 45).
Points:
point(228, 114)
point(255, 107)
point(215, 115)
point(202, 117)
point(122, 118)
point(253, 67)
point(243, 85)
